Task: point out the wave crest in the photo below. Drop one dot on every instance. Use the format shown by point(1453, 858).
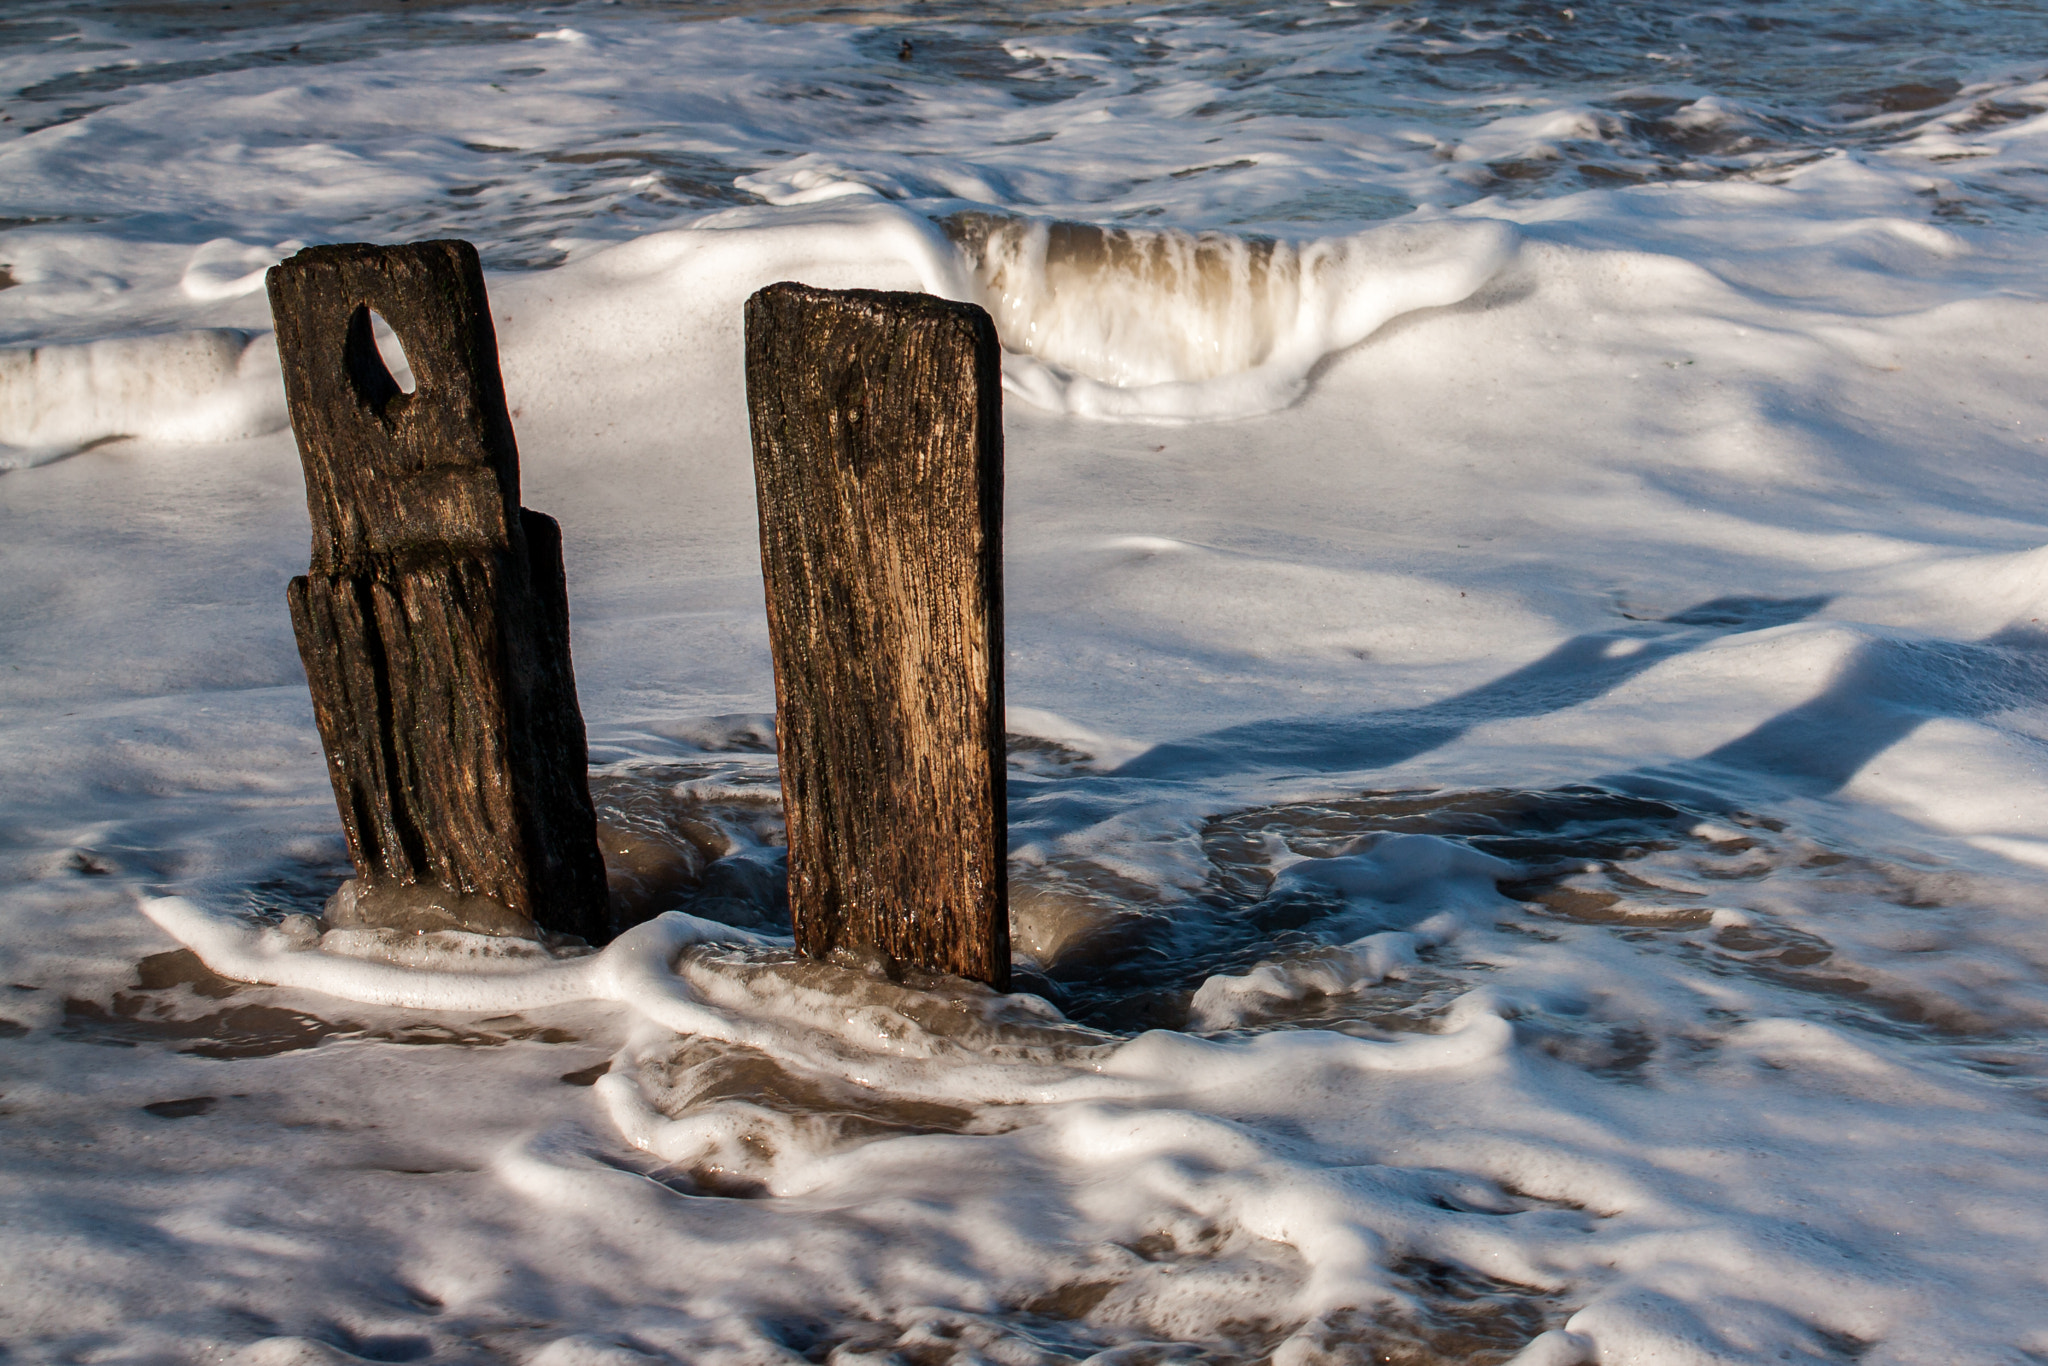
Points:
point(1165, 325)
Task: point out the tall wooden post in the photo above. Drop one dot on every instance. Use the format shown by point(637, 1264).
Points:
point(434, 620)
point(878, 462)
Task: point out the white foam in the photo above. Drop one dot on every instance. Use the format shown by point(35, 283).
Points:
point(1723, 487)
point(185, 387)
point(226, 269)
point(1150, 326)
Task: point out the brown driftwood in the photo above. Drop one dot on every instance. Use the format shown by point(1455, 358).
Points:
point(434, 620)
point(878, 462)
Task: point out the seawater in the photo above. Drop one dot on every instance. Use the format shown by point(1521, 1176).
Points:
point(1527, 791)
point(1289, 118)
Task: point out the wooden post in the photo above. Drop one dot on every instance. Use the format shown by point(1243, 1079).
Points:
point(434, 621)
point(878, 462)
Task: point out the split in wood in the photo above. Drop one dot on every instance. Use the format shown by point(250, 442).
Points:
point(434, 620)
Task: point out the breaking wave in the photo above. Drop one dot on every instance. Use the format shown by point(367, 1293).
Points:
point(1162, 324)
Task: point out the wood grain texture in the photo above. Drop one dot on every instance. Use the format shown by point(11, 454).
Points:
point(434, 620)
point(877, 426)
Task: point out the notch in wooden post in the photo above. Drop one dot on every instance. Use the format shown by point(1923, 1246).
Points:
point(878, 463)
point(434, 620)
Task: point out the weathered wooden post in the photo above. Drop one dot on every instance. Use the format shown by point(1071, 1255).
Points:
point(878, 462)
point(434, 620)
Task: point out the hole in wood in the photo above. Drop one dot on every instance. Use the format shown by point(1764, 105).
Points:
point(392, 352)
point(376, 360)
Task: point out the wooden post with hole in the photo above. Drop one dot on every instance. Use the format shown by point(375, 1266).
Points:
point(434, 619)
point(878, 463)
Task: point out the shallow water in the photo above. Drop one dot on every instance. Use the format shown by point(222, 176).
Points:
point(1528, 798)
point(529, 128)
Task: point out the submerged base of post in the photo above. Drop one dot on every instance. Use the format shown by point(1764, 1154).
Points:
point(877, 428)
point(420, 909)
